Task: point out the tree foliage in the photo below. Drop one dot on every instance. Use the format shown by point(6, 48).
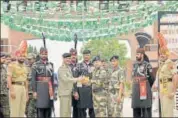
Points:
point(106, 48)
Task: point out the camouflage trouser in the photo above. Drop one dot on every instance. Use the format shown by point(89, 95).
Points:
point(100, 104)
point(31, 110)
point(4, 101)
point(114, 108)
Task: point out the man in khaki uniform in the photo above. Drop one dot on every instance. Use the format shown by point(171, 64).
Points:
point(66, 82)
point(18, 86)
point(165, 76)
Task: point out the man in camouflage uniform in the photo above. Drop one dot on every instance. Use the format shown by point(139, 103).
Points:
point(142, 81)
point(99, 83)
point(116, 89)
point(4, 98)
point(30, 108)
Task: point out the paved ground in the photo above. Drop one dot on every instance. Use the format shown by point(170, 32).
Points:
point(127, 110)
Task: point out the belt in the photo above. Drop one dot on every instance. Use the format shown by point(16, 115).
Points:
point(48, 80)
point(43, 79)
point(19, 83)
point(168, 80)
point(138, 79)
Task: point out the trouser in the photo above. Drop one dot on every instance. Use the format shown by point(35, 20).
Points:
point(17, 105)
point(43, 112)
point(167, 104)
point(82, 113)
point(31, 110)
point(75, 109)
point(75, 112)
point(142, 112)
point(65, 106)
point(4, 101)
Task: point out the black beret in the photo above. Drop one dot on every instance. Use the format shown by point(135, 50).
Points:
point(97, 58)
point(114, 57)
point(65, 55)
point(86, 52)
point(73, 51)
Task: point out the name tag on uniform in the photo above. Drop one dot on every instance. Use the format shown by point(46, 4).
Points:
point(79, 84)
point(143, 90)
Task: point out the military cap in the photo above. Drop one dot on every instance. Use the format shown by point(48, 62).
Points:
point(86, 52)
point(114, 57)
point(97, 58)
point(73, 51)
point(43, 49)
point(65, 55)
point(31, 56)
point(140, 50)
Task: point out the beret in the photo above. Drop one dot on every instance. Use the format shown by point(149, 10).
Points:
point(65, 55)
point(31, 56)
point(114, 57)
point(97, 58)
point(86, 52)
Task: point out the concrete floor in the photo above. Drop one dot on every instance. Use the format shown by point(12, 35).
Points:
point(127, 110)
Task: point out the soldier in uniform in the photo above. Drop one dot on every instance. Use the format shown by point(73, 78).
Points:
point(66, 82)
point(116, 89)
point(84, 90)
point(42, 85)
point(4, 101)
point(99, 83)
point(75, 96)
point(18, 86)
point(31, 111)
point(165, 77)
point(142, 81)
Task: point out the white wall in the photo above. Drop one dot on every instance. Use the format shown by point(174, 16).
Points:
point(4, 31)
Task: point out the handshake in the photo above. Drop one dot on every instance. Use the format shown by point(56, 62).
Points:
point(83, 80)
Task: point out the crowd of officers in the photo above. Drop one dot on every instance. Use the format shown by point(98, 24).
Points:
point(93, 85)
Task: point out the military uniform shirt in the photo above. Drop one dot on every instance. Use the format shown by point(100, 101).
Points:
point(18, 72)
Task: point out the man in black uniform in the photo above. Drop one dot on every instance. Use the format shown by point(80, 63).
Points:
point(143, 79)
point(85, 91)
point(75, 96)
point(42, 85)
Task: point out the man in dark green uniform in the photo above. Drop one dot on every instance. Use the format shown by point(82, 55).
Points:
point(85, 101)
point(142, 77)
